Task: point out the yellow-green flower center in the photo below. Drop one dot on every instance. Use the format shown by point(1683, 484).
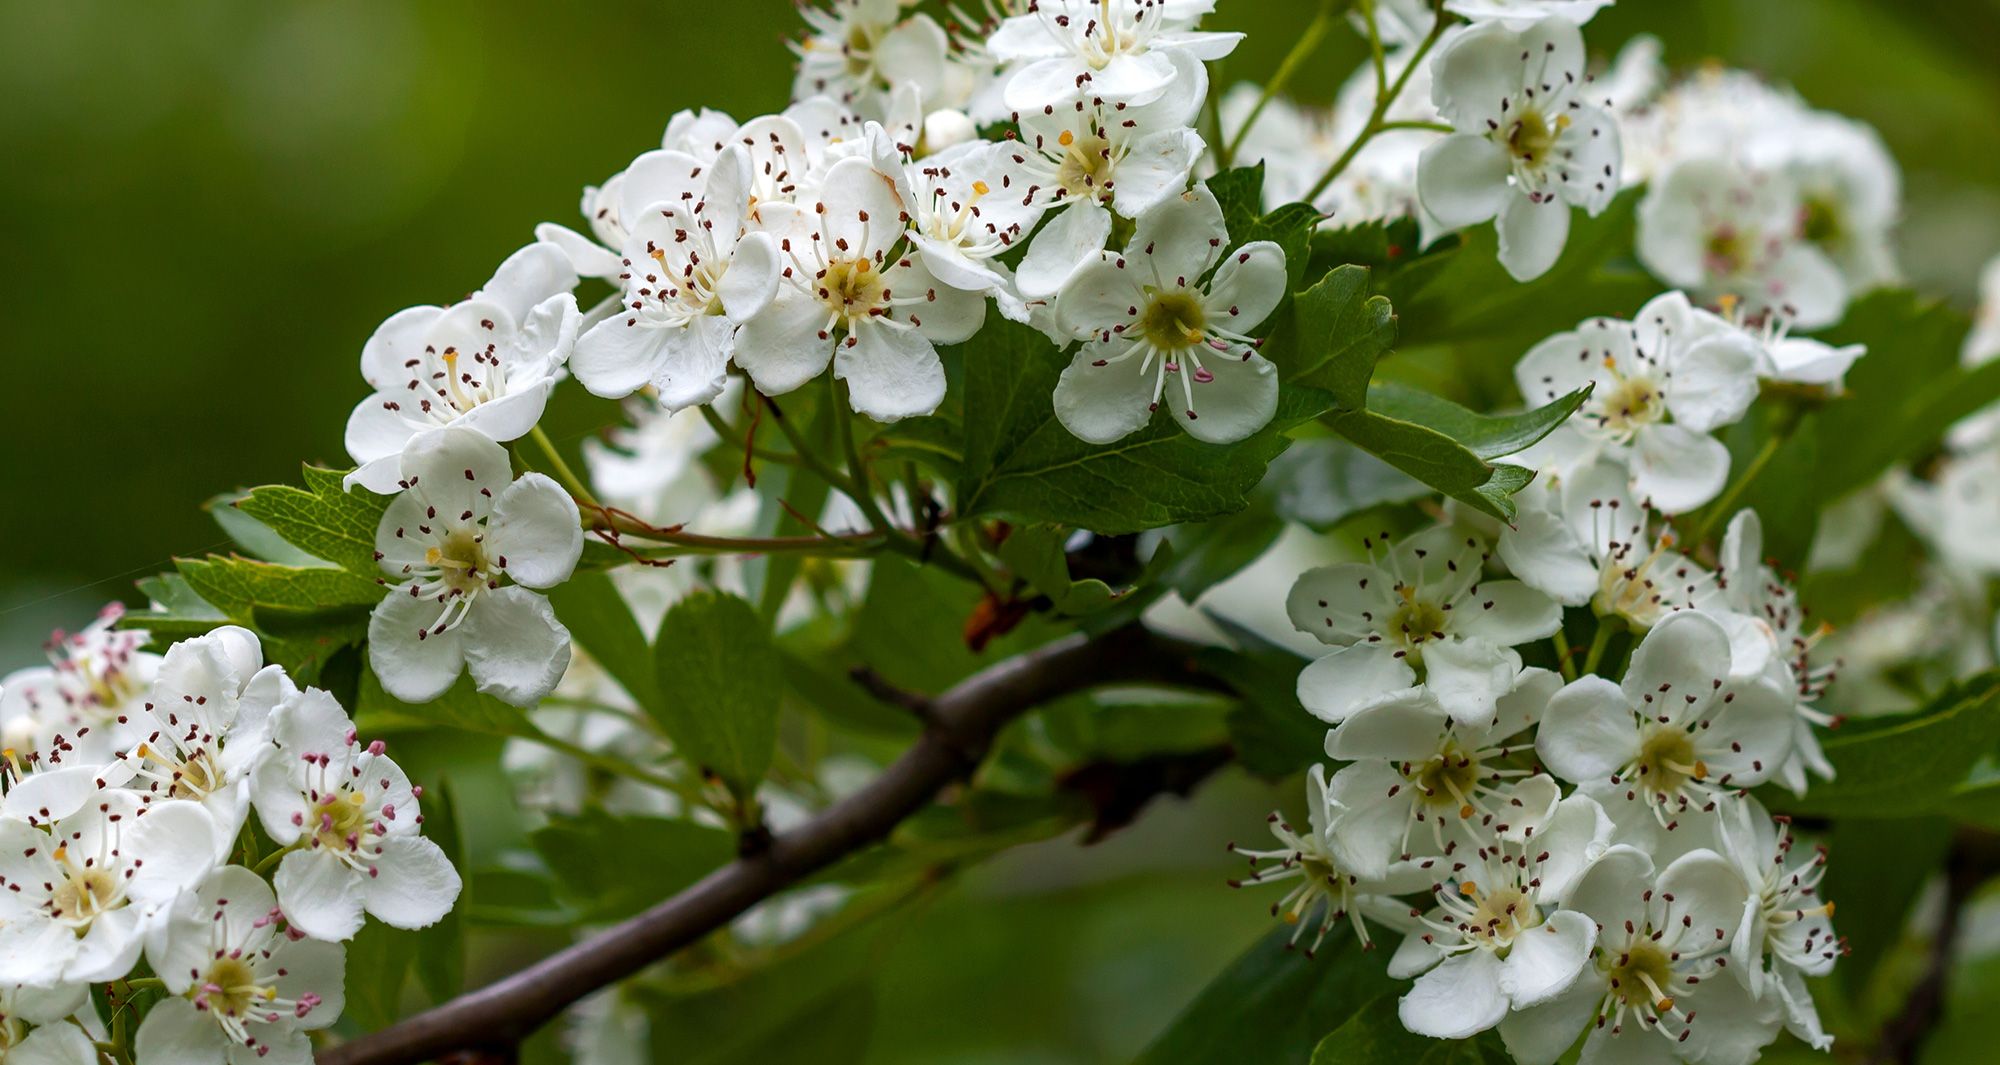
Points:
point(1173, 321)
point(1641, 977)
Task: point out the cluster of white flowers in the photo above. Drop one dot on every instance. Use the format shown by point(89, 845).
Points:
point(130, 778)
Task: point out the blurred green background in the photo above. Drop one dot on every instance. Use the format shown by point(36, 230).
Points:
point(208, 205)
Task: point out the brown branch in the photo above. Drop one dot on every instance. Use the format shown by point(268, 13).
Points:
point(964, 720)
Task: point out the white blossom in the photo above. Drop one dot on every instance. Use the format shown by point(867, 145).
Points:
point(1116, 51)
point(243, 990)
point(1519, 14)
point(690, 278)
point(1527, 148)
point(1718, 229)
point(858, 51)
point(486, 364)
point(1147, 318)
point(81, 896)
point(464, 543)
point(351, 821)
point(73, 714)
point(35, 1027)
point(1422, 604)
point(1787, 930)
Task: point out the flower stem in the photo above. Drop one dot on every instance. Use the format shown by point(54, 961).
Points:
point(1750, 473)
point(1383, 101)
point(1597, 645)
point(727, 433)
point(1565, 656)
point(857, 471)
point(808, 457)
point(269, 862)
point(1308, 43)
point(563, 473)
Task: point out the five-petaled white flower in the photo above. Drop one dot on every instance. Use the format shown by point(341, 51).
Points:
point(1420, 785)
point(1718, 229)
point(1660, 384)
point(77, 900)
point(853, 294)
point(207, 723)
point(486, 364)
point(1787, 930)
point(1337, 894)
point(860, 51)
point(1422, 604)
point(1147, 318)
point(350, 816)
point(1527, 149)
point(1677, 736)
point(243, 989)
point(51, 1040)
point(1117, 51)
point(691, 277)
point(1498, 941)
point(1659, 986)
point(462, 545)
point(72, 712)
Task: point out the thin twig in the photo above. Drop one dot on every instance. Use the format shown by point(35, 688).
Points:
point(497, 1017)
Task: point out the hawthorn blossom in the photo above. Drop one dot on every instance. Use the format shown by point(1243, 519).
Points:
point(1787, 929)
point(242, 989)
point(73, 712)
point(35, 1028)
point(1659, 986)
point(966, 210)
point(1527, 148)
point(81, 896)
point(1421, 784)
point(1085, 159)
point(350, 820)
point(1660, 384)
point(851, 295)
point(207, 722)
point(487, 364)
point(1422, 604)
point(1117, 51)
point(1147, 318)
point(1718, 229)
point(1497, 940)
point(857, 51)
point(462, 547)
point(1677, 736)
point(691, 277)
point(1323, 885)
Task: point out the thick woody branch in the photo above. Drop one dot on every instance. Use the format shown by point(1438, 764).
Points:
point(960, 728)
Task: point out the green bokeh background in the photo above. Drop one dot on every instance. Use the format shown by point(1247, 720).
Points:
point(206, 206)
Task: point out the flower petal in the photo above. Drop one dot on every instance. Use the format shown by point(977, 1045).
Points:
point(1532, 235)
point(413, 885)
point(535, 534)
point(1462, 179)
point(892, 371)
point(515, 648)
point(320, 894)
point(1100, 404)
point(1587, 732)
point(413, 663)
point(1350, 679)
point(1239, 398)
point(1546, 960)
point(1460, 998)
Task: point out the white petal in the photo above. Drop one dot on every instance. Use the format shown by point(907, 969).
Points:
point(1508, 613)
point(1397, 730)
point(55, 1044)
point(1469, 676)
point(1683, 655)
point(1462, 179)
point(1714, 381)
point(320, 894)
point(511, 416)
point(317, 967)
point(528, 277)
point(1546, 960)
point(413, 663)
point(1239, 398)
point(892, 371)
point(619, 355)
point(1371, 814)
point(1155, 169)
point(1614, 889)
point(1062, 246)
point(1248, 286)
point(174, 1033)
point(783, 348)
point(586, 256)
point(1532, 235)
point(376, 431)
point(436, 464)
point(536, 532)
point(515, 648)
point(1185, 235)
point(1351, 678)
point(1330, 603)
point(413, 885)
point(1456, 1000)
point(1749, 736)
point(1677, 469)
point(1100, 404)
point(1538, 1035)
point(1588, 732)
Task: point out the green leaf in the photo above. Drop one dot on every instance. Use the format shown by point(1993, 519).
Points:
point(1902, 395)
point(1272, 1004)
point(1489, 436)
point(385, 954)
point(1374, 1036)
point(1435, 459)
point(588, 854)
point(253, 537)
point(1909, 765)
point(1035, 554)
point(933, 441)
point(321, 519)
point(1341, 331)
point(1877, 872)
point(441, 947)
point(304, 614)
point(1323, 482)
point(601, 622)
point(719, 679)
